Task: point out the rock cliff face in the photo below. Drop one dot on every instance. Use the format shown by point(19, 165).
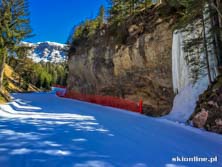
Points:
point(140, 68)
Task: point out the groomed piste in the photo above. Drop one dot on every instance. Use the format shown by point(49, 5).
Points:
point(43, 130)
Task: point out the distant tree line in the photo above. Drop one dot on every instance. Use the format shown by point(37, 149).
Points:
point(43, 75)
point(118, 11)
point(121, 9)
point(89, 27)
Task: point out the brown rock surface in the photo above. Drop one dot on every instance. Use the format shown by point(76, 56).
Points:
point(211, 102)
point(138, 68)
point(200, 119)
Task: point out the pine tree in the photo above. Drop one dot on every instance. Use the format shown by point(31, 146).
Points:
point(101, 16)
point(121, 9)
point(14, 26)
point(117, 11)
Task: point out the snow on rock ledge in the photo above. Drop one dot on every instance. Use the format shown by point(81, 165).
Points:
point(47, 51)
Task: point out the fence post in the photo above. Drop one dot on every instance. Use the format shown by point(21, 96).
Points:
point(141, 106)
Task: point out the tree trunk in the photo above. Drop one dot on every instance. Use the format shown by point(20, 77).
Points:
point(2, 66)
point(217, 24)
point(206, 49)
point(216, 34)
point(219, 34)
point(146, 4)
point(219, 5)
point(217, 8)
point(132, 7)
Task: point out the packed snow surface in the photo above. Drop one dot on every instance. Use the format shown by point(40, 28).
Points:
point(40, 129)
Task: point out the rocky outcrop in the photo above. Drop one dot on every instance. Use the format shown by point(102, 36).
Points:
point(200, 119)
point(210, 103)
point(138, 68)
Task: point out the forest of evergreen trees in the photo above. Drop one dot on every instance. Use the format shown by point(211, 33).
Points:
point(15, 27)
point(118, 11)
point(43, 75)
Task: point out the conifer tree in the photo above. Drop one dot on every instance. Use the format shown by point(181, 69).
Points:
point(14, 26)
point(117, 11)
point(101, 16)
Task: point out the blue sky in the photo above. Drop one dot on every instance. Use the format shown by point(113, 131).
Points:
point(52, 20)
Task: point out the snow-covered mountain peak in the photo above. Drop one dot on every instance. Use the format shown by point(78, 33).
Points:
point(47, 51)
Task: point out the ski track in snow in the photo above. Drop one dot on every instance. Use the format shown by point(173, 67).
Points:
point(42, 130)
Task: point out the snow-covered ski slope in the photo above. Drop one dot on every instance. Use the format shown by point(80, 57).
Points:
point(42, 130)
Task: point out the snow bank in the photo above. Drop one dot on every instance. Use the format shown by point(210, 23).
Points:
point(185, 102)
